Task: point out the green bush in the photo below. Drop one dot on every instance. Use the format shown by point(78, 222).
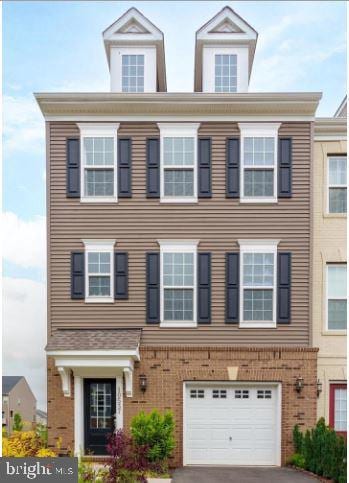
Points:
point(17, 422)
point(321, 451)
point(155, 431)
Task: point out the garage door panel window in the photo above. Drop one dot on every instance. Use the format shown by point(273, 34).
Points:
point(241, 394)
point(219, 393)
point(336, 296)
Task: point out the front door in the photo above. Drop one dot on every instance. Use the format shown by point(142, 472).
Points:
point(99, 414)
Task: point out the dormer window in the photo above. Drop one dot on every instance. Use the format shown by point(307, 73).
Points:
point(225, 73)
point(133, 73)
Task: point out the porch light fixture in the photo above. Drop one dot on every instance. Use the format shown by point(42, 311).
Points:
point(143, 382)
point(318, 387)
point(299, 384)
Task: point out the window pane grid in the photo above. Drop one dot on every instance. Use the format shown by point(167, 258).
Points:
point(133, 73)
point(337, 297)
point(337, 182)
point(99, 182)
point(178, 151)
point(99, 274)
point(340, 409)
point(258, 305)
point(100, 406)
point(225, 73)
point(99, 151)
point(178, 304)
point(259, 151)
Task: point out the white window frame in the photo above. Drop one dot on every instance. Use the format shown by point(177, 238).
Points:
point(329, 186)
point(256, 130)
point(327, 328)
point(122, 76)
point(99, 246)
point(95, 131)
point(180, 246)
point(179, 130)
point(257, 246)
point(237, 73)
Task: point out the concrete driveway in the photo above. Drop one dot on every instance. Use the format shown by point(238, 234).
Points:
point(239, 475)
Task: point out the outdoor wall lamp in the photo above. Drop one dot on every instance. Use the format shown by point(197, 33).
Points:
point(318, 387)
point(143, 382)
point(299, 384)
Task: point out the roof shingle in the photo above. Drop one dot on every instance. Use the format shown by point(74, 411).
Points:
point(94, 339)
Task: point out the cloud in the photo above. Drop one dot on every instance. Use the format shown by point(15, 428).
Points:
point(24, 242)
point(23, 125)
point(24, 333)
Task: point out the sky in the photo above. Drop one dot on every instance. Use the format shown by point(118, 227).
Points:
point(52, 46)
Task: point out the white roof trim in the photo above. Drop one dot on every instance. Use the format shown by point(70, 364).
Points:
point(115, 31)
point(243, 30)
point(134, 353)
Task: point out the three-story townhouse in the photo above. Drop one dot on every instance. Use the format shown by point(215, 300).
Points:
point(179, 253)
point(330, 265)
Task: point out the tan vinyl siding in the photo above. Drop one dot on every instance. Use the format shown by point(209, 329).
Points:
point(137, 223)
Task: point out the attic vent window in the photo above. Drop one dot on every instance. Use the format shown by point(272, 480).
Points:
point(225, 73)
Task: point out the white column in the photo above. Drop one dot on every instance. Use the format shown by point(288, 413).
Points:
point(78, 416)
point(119, 417)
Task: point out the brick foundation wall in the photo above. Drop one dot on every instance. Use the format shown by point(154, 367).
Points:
point(167, 368)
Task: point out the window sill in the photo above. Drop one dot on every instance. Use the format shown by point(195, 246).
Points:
point(92, 199)
point(179, 324)
point(179, 200)
point(99, 300)
point(334, 332)
point(335, 215)
point(258, 200)
point(257, 325)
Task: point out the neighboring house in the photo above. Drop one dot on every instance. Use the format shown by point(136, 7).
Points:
point(17, 397)
point(179, 254)
point(330, 265)
point(41, 417)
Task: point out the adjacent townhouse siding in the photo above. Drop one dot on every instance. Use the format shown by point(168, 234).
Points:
point(330, 253)
point(199, 302)
point(17, 397)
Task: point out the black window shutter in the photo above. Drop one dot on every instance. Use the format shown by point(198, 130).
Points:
point(284, 288)
point(233, 168)
point(125, 168)
point(73, 168)
point(77, 282)
point(285, 168)
point(204, 288)
point(153, 168)
point(121, 275)
point(232, 288)
point(153, 287)
point(204, 171)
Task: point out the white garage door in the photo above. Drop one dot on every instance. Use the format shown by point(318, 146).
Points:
point(231, 425)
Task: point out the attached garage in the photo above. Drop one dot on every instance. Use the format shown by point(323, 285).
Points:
point(232, 424)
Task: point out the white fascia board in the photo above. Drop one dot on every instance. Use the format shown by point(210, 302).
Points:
point(95, 353)
point(247, 31)
point(165, 118)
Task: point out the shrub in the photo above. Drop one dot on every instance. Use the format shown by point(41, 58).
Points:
point(46, 453)
point(154, 431)
point(128, 459)
point(321, 451)
point(20, 444)
point(17, 422)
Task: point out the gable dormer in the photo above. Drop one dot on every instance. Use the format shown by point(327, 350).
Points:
point(224, 53)
point(135, 53)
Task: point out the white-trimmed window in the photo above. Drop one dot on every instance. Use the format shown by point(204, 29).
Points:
point(336, 296)
point(337, 184)
point(258, 261)
point(99, 269)
point(258, 173)
point(178, 160)
point(98, 175)
point(132, 73)
point(225, 73)
point(178, 283)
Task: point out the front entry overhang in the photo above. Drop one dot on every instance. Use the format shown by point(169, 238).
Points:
point(94, 363)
